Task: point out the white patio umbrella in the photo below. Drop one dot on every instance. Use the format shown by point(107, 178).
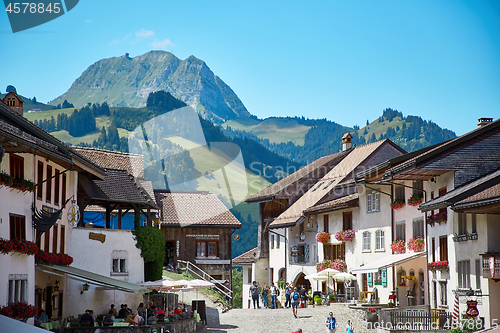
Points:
point(343, 277)
point(162, 285)
point(329, 272)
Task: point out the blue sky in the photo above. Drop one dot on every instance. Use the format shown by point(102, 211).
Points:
point(341, 60)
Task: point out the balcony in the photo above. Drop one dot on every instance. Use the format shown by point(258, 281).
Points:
point(465, 237)
point(437, 218)
point(491, 265)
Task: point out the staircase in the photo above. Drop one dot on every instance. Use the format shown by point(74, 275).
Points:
point(198, 273)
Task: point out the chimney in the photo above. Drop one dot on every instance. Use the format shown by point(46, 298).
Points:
point(483, 122)
point(346, 141)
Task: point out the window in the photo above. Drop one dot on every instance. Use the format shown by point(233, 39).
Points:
point(18, 288)
point(249, 275)
point(433, 249)
point(56, 188)
point(48, 191)
point(277, 241)
point(401, 230)
point(319, 185)
point(443, 248)
point(63, 199)
point(206, 249)
point(373, 202)
point(119, 265)
point(347, 220)
point(54, 238)
point(418, 228)
point(303, 253)
point(39, 189)
point(462, 224)
point(366, 241)
point(444, 300)
point(418, 187)
point(272, 241)
point(47, 241)
point(399, 192)
point(63, 239)
point(331, 252)
point(474, 224)
point(38, 239)
point(442, 191)
point(478, 274)
point(463, 274)
point(379, 240)
point(326, 223)
point(16, 166)
point(17, 227)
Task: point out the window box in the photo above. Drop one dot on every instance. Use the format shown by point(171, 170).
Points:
point(438, 266)
point(416, 200)
point(323, 237)
point(416, 244)
point(18, 245)
point(398, 246)
point(438, 217)
point(345, 235)
point(337, 264)
point(20, 184)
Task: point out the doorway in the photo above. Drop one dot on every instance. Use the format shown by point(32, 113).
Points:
point(169, 255)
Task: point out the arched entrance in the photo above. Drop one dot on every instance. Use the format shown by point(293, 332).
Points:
point(281, 274)
point(301, 280)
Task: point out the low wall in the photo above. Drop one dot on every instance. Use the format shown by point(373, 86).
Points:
point(181, 326)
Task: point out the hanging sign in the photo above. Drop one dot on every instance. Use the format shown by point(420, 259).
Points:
point(492, 266)
point(472, 309)
point(73, 214)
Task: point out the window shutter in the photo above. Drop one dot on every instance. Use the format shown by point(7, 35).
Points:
point(306, 253)
point(384, 277)
point(370, 279)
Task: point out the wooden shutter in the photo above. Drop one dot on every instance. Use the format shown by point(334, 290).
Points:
point(370, 279)
point(384, 277)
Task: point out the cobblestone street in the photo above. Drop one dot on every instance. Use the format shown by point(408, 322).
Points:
point(281, 320)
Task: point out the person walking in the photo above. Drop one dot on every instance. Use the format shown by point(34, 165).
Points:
point(330, 323)
point(350, 328)
point(265, 295)
point(288, 292)
point(295, 301)
point(254, 291)
point(303, 296)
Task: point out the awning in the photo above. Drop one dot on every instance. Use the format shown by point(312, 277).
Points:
point(394, 259)
point(92, 278)
point(12, 325)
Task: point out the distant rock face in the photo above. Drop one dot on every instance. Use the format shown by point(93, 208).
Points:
point(125, 81)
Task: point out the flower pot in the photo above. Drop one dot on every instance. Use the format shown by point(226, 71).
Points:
point(371, 317)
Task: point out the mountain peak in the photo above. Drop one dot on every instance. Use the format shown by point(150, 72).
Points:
point(120, 82)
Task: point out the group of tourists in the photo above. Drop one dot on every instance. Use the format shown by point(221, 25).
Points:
point(292, 295)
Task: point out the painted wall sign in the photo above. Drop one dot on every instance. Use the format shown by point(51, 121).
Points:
point(203, 236)
point(98, 237)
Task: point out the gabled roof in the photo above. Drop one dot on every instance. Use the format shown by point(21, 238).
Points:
point(314, 170)
point(351, 200)
point(33, 139)
point(114, 160)
point(483, 188)
point(342, 171)
point(117, 187)
point(246, 258)
point(439, 150)
point(197, 208)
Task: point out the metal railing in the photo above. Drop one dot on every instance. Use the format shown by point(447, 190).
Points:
point(418, 321)
point(201, 274)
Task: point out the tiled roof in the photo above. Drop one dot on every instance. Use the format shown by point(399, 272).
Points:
point(194, 208)
point(340, 172)
point(117, 186)
point(133, 163)
point(305, 171)
point(246, 258)
point(483, 188)
point(439, 149)
point(339, 203)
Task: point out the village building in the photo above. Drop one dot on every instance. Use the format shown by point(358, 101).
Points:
point(458, 175)
point(245, 261)
point(198, 230)
point(14, 101)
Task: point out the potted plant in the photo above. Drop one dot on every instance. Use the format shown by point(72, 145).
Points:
point(416, 199)
point(378, 281)
point(398, 204)
point(345, 235)
point(323, 237)
point(331, 298)
point(371, 315)
point(337, 264)
point(398, 246)
point(309, 300)
point(416, 244)
point(317, 300)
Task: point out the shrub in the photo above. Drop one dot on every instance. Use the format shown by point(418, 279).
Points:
point(152, 244)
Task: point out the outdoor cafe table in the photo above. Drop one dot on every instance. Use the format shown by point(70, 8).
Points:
point(51, 325)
